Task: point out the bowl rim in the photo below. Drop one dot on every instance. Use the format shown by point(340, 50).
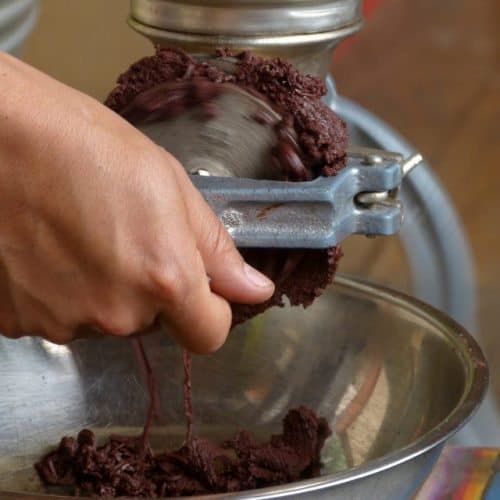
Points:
point(476, 384)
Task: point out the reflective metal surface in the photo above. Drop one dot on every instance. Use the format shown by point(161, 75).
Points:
point(231, 143)
point(246, 17)
point(305, 32)
point(394, 377)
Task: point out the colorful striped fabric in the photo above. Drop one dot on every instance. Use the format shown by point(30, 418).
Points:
point(464, 474)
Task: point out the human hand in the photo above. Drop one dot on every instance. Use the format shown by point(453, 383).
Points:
point(101, 228)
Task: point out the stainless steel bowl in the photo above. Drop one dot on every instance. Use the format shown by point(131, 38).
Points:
point(394, 377)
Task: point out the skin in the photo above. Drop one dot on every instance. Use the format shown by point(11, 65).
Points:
point(102, 230)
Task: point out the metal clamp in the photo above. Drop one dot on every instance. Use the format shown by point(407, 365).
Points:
point(374, 157)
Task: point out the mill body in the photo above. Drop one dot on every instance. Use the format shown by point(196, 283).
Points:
point(304, 32)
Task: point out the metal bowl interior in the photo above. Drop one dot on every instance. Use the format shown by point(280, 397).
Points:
point(394, 377)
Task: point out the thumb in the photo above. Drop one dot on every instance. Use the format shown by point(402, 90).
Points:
point(230, 276)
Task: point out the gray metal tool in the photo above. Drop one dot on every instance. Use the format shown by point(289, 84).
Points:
point(228, 157)
point(321, 213)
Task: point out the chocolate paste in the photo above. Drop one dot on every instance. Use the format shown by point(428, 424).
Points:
point(312, 141)
point(126, 466)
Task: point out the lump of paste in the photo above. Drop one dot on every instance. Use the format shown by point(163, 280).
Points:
point(126, 466)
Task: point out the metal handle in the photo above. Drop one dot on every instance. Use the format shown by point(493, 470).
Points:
point(315, 214)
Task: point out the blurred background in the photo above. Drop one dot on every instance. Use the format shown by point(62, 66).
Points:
point(430, 69)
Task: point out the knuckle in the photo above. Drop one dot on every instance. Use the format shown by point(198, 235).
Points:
point(174, 285)
point(115, 323)
point(115, 315)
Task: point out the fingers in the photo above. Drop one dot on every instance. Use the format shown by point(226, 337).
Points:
point(197, 318)
point(230, 276)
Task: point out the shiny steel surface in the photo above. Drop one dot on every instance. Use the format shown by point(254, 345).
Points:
point(305, 32)
point(311, 53)
point(231, 143)
point(394, 377)
point(246, 17)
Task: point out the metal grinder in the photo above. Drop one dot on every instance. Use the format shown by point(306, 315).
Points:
point(318, 214)
point(431, 244)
